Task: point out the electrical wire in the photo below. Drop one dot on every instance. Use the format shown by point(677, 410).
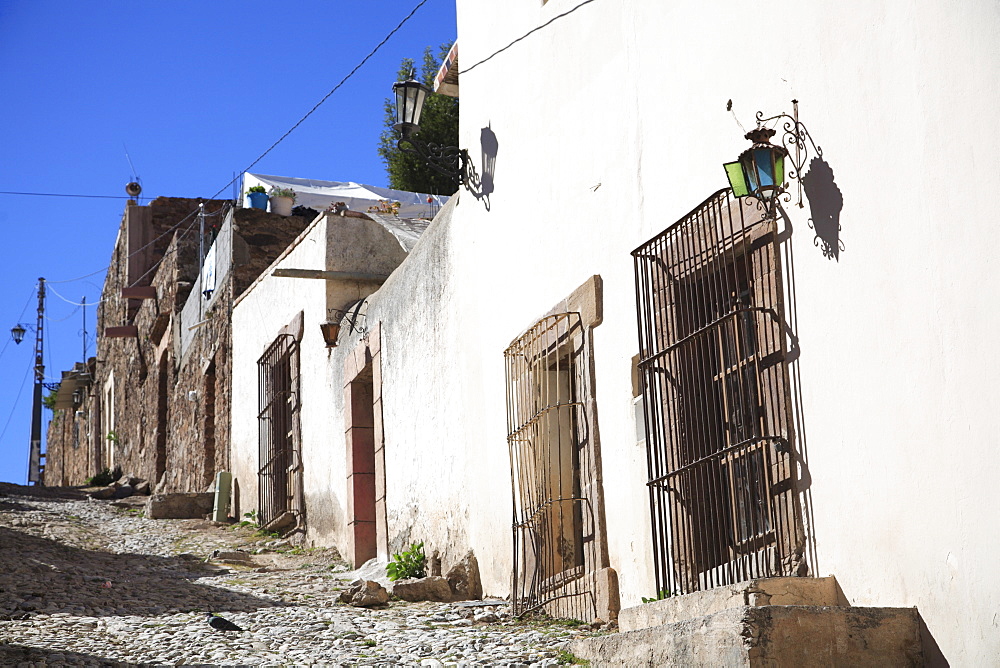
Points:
point(49, 287)
point(11, 192)
point(309, 113)
point(71, 314)
point(7, 343)
point(16, 400)
point(327, 96)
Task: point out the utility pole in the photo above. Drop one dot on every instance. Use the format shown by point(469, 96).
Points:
point(35, 466)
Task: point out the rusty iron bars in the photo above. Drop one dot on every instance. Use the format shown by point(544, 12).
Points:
point(553, 519)
point(724, 500)
point(277, 404)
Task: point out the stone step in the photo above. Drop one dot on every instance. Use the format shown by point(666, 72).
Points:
point(767, 635)
point(763, 591)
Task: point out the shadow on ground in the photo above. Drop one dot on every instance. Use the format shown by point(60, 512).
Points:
point(12, 655)
point(42, 575)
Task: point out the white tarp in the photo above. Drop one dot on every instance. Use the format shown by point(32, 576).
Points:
point(321, 194)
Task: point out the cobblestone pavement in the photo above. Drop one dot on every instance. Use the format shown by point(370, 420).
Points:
point(91, 583)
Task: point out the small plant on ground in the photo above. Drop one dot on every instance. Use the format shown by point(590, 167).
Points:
point(408, 564)
point(568, 658)
point(101, 479)
point(250, 521)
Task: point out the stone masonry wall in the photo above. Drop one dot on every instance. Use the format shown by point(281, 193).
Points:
point(171, 409)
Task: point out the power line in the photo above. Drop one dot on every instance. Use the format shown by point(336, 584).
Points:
point(68, 301)
point(344, 80)
point(325, 97)
point(11, 192)
point(14, 407)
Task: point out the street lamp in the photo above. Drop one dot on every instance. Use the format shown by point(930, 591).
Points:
point(410, 96)
point(760, 170)
point(17, 332)
point(450, 161)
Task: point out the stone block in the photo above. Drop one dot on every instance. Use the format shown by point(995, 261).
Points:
point(463, 579)
point(770, 635)
point(764, 591)
point(103, 492)
point(179, 506)
point(365, 594)
point(431, 588)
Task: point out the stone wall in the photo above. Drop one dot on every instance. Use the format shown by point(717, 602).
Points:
point(159, 412)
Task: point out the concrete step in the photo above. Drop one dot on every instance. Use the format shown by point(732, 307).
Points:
point(763, 591)
point(767, 635)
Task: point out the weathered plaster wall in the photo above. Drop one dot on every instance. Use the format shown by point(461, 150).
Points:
point(619, 127)
point(172, 378)
point(351, 243)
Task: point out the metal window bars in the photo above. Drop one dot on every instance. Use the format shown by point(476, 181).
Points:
point(555, 550)
point(722, 486)
point(278, 404)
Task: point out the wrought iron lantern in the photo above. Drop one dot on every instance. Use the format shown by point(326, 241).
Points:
point(760, 170)
point(17, 332)
point(330, 330)
point(450, 161)
point(410, 96)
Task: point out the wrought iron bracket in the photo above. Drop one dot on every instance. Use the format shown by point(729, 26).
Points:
point(449, 161)
point(352, 313)
point(794, 136)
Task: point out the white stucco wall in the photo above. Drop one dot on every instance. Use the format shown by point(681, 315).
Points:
point(332, 243)
point(610, 123)
point(613, 117)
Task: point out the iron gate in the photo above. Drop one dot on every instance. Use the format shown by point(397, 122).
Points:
point(723, 497)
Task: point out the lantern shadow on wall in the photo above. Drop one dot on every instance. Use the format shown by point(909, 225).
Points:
point(481, 184)
point(825, 204)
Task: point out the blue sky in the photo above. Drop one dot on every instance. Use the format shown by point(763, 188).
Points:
point(195, 91)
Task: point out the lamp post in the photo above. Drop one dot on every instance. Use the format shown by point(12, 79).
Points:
point(35, 466)
point(450, 161)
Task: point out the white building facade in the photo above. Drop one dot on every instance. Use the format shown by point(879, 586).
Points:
point(616, 118)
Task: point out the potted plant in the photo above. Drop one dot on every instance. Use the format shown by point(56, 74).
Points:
point(258, 197)
point(282, 200)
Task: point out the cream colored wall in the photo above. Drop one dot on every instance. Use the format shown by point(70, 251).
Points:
point(258, 316)
point(611, 123)
point(332, 243)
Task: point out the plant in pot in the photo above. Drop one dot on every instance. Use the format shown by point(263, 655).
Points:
point(258, 197)
point(282, 200)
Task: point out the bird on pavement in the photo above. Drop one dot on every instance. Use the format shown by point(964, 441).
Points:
point(221, 623)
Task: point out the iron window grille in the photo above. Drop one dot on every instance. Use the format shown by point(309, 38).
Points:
point(724, 501)
point(277, 430)
point(555, 551)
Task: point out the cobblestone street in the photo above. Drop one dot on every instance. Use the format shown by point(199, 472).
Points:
point(94, 583)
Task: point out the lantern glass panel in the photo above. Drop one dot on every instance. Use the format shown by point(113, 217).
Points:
point(750, 171)
point(763, 160)
point(779, 167)
point(737, 181)
point(400, 103)
point(417, 101)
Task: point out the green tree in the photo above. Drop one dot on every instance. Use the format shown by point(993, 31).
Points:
point(438, 125)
